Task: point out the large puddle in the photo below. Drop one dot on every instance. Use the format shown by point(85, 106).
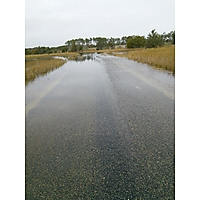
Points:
point(100, 128)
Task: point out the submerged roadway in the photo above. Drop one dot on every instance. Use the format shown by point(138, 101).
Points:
point(102, 128)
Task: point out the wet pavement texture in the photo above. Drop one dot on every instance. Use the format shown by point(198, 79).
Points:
point(101, 128)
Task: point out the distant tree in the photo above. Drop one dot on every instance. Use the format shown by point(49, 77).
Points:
point(124, 40)
point(129, 42)
point(80, 48)
point(53, 50)
point(91, 42)
point(61, 49)
point(87, 41)
point(68, 44)
point(79, 44)
point(28, 51)
point(36, 50)
point(173, 37)
point(47, 50)
point(117, 41)
point(169, 37)
point(100, 42)
point(154, 40)
point(138, 41)
point(111, 43)
point(73, 46)
point(99, 45)
point(64, 49)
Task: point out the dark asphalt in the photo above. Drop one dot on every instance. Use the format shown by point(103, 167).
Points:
point(102, 128)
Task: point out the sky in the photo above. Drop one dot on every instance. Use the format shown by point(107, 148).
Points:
point(53, 22)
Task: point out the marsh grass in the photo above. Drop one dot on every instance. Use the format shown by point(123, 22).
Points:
point(41, 64)
point(38, 67)
point(162, 57)
point(68, 55)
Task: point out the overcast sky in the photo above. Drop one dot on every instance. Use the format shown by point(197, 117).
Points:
point(53, 22)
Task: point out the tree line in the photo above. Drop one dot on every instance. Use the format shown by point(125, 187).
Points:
point(152, 40)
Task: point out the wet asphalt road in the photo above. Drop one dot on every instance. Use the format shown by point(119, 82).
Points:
point(102, 128)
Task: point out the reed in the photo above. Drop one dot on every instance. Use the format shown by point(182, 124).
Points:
point(68, 55)
point(39, 66)
point(162, 57)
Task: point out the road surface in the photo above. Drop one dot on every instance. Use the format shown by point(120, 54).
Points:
point(102, 128)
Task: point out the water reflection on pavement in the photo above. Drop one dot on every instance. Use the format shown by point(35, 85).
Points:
point(100, 127)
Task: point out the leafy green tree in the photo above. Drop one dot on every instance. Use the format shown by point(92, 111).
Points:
point(100, 42)
point(129, 42)
point(61, 48)
point(111, 43)
point(28, 51)
point(68, 44)
point(124, 40)
point(79, 44)
point(117, 41)
point(91, 42)
point(173, 37)
point(154, 40)
point(165, 37)
point(73, 46)
point(138, 41)
point(87, 41)
point(169, 37)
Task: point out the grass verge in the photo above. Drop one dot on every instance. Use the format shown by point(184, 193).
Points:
point(38, 67)
point(162, 57)
point(41, 64)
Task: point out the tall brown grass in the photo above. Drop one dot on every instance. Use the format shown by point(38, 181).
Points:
point(41, 64)
point(36, 67)
point(162, 57)
point(68, 55)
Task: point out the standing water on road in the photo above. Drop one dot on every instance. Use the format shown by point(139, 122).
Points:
point(100, 128)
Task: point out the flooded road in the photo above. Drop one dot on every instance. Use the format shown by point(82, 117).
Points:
point(102, 128)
